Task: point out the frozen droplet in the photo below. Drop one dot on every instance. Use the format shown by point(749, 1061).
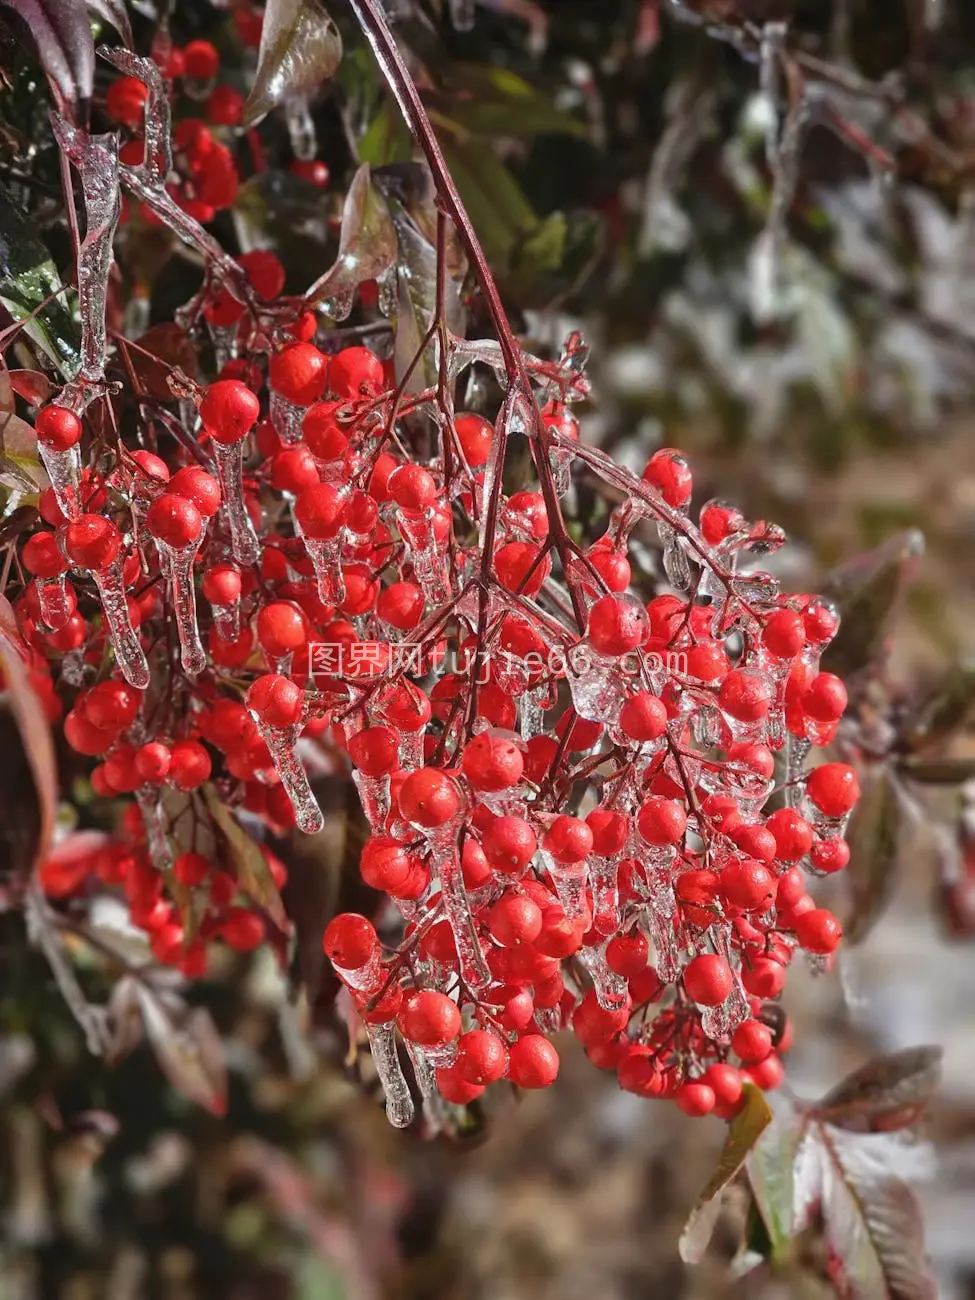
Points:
point(410, 753)
point(226, 619)
point(52, 600)
point(178, 567)
point(399, 1102)
point(462, 14)
point(427, 555)
point(155, 823)
point(597, 685)
point(282, 743)
point(374, 797)
point(129, 654)
point(301, 128)
point(677, 566)
point(229, 459)
point(445, 862)
point(569, 879)
point(603, 880)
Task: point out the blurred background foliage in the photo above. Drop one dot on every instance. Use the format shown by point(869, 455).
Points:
point(786, 295)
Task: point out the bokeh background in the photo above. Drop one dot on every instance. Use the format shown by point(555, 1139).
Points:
point(613, 158)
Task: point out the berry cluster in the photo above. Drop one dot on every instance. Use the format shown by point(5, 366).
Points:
point(567, 786)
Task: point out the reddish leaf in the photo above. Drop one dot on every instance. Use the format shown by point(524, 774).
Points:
point(249, 863)
point(885, 1094)
point(188, 1049)
point(941, 712)
point(60, 32)
point(169, 343)
point(32, 385)
point(874, 836)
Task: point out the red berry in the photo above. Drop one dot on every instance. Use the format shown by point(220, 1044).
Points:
point(225, 107)
point(429, 1019)
point(749, 885)
point(375, 750)
point(833, 788)
point(509, 844)
point(198, 486)
point(242, 929)
point(818, 931)
point(708, 979)
point(57, 427)
point(125, 100)
point(643, 717)
point(90, 542)
point(476, 437)
point(668, 472)
point(533, 1062)
point(350, 941)
point(299, 373)
point(751, 1041)
point(429, 798)
point(356, 372)
point(312, 170)
point(617, 625)
point(793, 834)
point(189, 764)
point(229, 410)
point(661, 821)
point(200, 60)
point(568, 839)
point(152, 762)
point(320, 511)
point(222, 584)
point(784, 633)
point(745, 695)
point(515, 919)
point(492, 762)
point(277, 701)
point(482, 1057)
point(174, 521)
point(828, 856)
point(695, 1099)
point(826, 698)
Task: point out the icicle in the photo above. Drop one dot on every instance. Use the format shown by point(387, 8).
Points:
point(434, 1106)
point(325, 554)
point(154, 820)
point(226, 619)
point(427, 556)
point(282, 744)
point(179, 573)
point(677, 567)
point(410, 753)
point(445, 861)
point(230, 468)
point(96, 160)
point(597, 686)
point(569, 879)
point(610, 988)
point(532, 711)
point(129, 654)
point(301, 128)
point(374, 797)
point(286, 418)
point(603, 875)
point(795, 787)
point(64, 471)
point(720, 1022)
point(52, 598)
point(382, 1044)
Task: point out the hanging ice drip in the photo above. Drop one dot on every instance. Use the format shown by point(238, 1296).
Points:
point(424, 524)
point(560, 423)
point(720, 1020)
point(375, 753)
point(297, 375)
point(222, 588)
point(177, 528)
point(326, 439)
point(277, 705)
point(301, 128)
point(598, 668)
point(58, 430)
point(352, 946)
point(56, 602)
point(229, 411)
point(94, 544)
point(320, 514)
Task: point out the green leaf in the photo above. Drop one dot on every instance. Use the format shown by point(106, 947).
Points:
point(884, 1094)
point(253, 874)
point(28, 278)
point(771, 1173)
point(386, 139)
point(499, 210)
point(743, 1132)
point(301, 48)
point(867, 592)
point(874, 835)
point(367, 247)
point(487, 100)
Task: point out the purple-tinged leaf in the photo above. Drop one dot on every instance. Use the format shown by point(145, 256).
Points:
point(938, 771)
point(875, 835)
point(115, 14)
point(301, 48)
point(743, 1132)
point(868, 592)
point(244, 855)
point(871, 1219)
point(189, 1051)
point(60, 32)
point(941, 712)
point(885, 1094)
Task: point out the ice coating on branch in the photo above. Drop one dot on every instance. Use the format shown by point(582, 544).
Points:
point(427, 555)
point(64, 471)
point(326, 557)
point(282, 743)
point(129, 654)
point(155, 822)
point(445, 861)
point(52, 599)
point(374, 797)
point(229, 458)
point(95, 157)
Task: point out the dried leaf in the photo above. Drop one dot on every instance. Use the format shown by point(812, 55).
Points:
point(188, 1050)
point(885, 1094)
point(60, 32)
point(943, 711)
point(35, 741)
point(367, 247)
point(874, 836)
point(938, 771)
point(300, 50)
point(253, 874)
point(867, 592)
point(28, 280)
point(743, 1132)
point(170, 343)
point(872, 1222)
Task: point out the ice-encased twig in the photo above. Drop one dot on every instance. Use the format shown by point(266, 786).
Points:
point(399, 1102)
